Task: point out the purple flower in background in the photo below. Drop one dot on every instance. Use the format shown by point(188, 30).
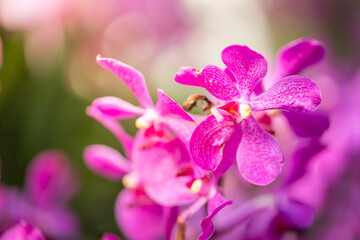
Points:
point(22, 231)
point(259, 157)
point(50, 184)
point(110, 236)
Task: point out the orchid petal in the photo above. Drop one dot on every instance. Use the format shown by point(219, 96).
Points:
point(215, 204)
point(158, 169)
point(208, 140)
point(50, 179)
point(117, 108)
point(163, 192)
point(182, 129)
point(301, 157)
point(229, 153)
point(298, 55)
point(215, 80)
point(106, 161)
point(248, 67)
point(308, 124)
point(297, 214)
point(57, 222)
point(134, 210)
point(259, 157)
point(23, 231)
point(165, 106)
point(114, 127)
point(110, 236)
point(294, 93)
point(131, 77)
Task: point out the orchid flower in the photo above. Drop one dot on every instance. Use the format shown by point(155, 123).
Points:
point(154, 120)
point(292, 59)
point(50, 184)
point(158, 161)
point(259, 157)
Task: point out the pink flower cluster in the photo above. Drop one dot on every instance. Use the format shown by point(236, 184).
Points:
point(178, 163)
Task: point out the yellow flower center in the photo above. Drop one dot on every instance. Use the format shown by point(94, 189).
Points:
point(245, 110)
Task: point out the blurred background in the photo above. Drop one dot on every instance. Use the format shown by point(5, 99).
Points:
point(49, 76)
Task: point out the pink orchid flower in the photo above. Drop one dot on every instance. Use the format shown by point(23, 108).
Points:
point(292, 59)
point(159, 161)
point(259, 157)
point(50, 184)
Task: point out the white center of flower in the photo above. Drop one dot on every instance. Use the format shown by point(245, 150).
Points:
point(142, 123)
point(130, 181)
point(147, 119)
point(196, 186)
point(245, 110)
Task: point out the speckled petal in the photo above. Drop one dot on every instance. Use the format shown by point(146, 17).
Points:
point(294, 93)
point(248, 67)
point(298, 55)
point(23, 231)
point(208, 140)
point(215, 204)
point(259, 157)
point(308, 124)
point(114, 127)
point(215, 80)
point(165, 106)
point(229, 153)
point(117, 108)
point(131, 77)
point(106, 161)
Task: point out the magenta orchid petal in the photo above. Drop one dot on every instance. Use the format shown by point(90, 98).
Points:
point(23, 231)
point(248, 67)
point(50, 179)
point(57, 222)
point(164, 194)
point(134, 209)
point(308, 124)
point(208, 140)
point(114, 127)
point(215, 80)
point(132, 78)
point(110, 236)
point(301, 158)
point(117, 108)
point(297, 214)
point(165, 106)
point(215, 204)
point(294, 93)
point(106, 161)
point(229, 153)
point(259, 157)
point(182, 129)
point(158, 169)
point(298, 55)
